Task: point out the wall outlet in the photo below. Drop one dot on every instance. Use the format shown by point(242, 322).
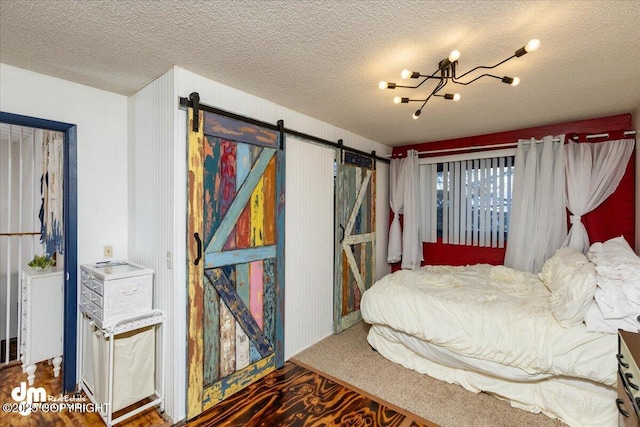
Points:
point(108, 251)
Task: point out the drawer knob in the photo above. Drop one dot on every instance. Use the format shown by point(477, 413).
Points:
point(622, 411)
point(628, 376)
point(623, 364)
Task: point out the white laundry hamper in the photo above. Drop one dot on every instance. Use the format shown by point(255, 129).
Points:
point(133, 366)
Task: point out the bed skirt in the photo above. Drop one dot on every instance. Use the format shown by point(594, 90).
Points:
point(574, 401)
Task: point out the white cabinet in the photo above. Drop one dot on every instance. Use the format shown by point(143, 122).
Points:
point(41, 319)
point(112, 291)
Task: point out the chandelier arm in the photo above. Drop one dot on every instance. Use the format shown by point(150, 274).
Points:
point(434, 77)
point(477, 78)
point(408, 87)
point(437, 89)
point(419, 84)
point(483, 67)
point(440, 86)
point(427, 77)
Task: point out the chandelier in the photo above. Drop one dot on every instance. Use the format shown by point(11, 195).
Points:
point(447, 72)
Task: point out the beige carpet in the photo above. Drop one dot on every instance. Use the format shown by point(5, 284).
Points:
point(348, 357)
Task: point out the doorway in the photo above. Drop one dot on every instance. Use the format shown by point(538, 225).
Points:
point(20, 227)
point(69, 218)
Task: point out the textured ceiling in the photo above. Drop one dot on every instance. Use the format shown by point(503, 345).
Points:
point(324, 58)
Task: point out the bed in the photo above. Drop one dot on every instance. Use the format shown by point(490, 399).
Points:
point(519, 336)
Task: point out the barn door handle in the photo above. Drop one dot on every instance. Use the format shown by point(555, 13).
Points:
point(342, 228)
point(199, 243)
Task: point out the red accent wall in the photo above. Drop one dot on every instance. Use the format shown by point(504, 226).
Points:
point(614, 217)
point(445, 254)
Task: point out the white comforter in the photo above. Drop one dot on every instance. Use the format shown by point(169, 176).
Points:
point(490, 313)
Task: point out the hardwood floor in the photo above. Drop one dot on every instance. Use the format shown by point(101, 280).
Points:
point(11, 377)
point(292, 396)
point(296, 396)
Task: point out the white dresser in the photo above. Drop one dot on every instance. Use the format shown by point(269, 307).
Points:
point(112, 291)
point(41, 319)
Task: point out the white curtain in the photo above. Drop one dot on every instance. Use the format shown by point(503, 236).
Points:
point(537, 224)
point(593, 172)
point(396, 201)
point(411, 238)
point(404, 198)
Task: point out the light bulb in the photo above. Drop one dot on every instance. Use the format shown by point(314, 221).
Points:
point(513, 81)
point(456, 97)
point(529, 47)
point(533, 44)
point(405, 74)
point(397, 100)
point(382, 85)
point(416, 115)
point(454, 56)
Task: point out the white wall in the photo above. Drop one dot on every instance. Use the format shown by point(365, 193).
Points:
point(152, 220)
point(101, 118)
point(308, 248)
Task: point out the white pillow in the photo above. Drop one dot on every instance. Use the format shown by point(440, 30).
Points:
point(557, 270)
point(570, 302)
point(615, 253)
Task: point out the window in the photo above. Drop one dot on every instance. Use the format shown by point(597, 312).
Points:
point(467, 201)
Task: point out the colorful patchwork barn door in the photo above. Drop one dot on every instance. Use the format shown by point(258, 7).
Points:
point(355, 250)
point(236, 257)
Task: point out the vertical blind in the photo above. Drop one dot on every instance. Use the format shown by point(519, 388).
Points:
point(467, 202)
